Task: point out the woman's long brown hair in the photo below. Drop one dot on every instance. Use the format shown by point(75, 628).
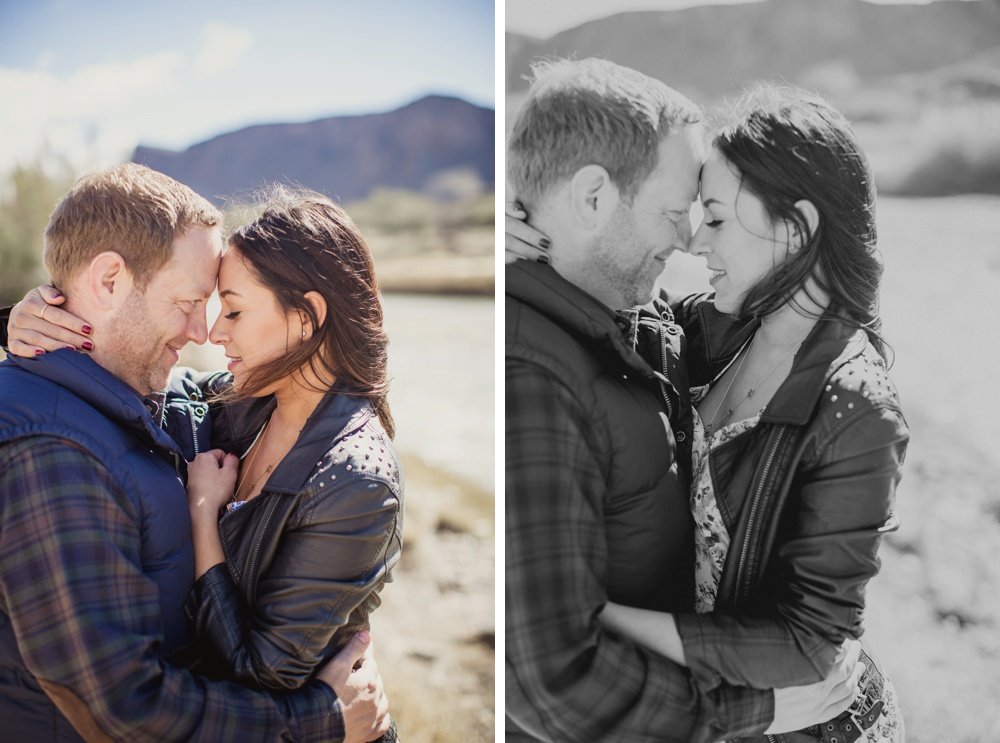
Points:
point(303, 242)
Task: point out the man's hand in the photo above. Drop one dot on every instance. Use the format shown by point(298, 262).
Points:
point(354, 677)
point(521, 240)
point(797, 707)
point(37, 325)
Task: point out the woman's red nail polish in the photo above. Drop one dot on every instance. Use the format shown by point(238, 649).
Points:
point(87, 346)
point(39, 352)
point(56, 295)
point(87, 330)
point(70, 348)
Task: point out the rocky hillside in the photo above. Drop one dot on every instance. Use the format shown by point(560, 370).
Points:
point(346, 157)
point(713, 50)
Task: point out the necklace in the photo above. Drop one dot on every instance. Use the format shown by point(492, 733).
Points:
point(235, 502)
point(716, 423)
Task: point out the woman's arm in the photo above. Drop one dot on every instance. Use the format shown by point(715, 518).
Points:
point(655, 630)
point(335, 552)
point(839, 510)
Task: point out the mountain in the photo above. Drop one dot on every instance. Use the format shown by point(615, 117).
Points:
point(345, 157)
point(711, 51)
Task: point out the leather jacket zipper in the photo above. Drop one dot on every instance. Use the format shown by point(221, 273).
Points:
point(255, 550)
point(754, 505)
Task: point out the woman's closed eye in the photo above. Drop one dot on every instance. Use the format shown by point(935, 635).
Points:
point(713, 223)
point(232, 315)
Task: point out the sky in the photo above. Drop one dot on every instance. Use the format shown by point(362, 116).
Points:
point(543, 19)
point(90, 79)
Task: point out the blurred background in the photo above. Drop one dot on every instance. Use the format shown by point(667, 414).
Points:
point(921, 84)
point(388, 108)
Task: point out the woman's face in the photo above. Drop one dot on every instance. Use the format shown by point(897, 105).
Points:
point(738, 239)
point(252, 326)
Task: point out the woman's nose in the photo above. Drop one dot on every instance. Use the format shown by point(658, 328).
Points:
point(215, 335)
point(698, 245)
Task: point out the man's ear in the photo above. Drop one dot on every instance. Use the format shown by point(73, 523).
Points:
point(593, 196)
point(319, 307)
point(809, 212)
point(107, 279)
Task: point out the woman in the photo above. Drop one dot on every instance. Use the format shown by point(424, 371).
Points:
point(797, 433)
point(296, 532)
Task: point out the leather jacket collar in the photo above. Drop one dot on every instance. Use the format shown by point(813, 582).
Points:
point(830, 342)
point(335, 416)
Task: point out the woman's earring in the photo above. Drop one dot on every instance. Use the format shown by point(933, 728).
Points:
point(303, 335)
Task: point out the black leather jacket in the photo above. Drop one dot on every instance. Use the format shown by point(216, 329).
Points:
point(806, 497)
point(306, 559)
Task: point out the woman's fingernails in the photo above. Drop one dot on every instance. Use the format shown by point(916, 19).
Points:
point(87, 330)
point(39, 352)
point(57, 295)
point(544, 243)
point(87, 346)
point(70, 348)
point(543, 259)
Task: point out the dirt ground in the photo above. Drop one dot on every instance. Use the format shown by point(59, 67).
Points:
point(434, 635)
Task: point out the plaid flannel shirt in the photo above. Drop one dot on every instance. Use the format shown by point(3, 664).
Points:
point(85, 617)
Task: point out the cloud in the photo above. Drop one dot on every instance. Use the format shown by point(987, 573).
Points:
point(221, 49)
point(79, 115)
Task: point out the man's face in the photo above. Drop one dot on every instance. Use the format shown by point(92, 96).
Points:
point(152, 326)
point(632, 250)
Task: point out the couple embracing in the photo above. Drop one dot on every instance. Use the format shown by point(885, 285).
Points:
point(194, 556)
point(696, 486)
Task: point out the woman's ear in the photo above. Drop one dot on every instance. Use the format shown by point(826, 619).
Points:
point(319, 308)
point(811, 217)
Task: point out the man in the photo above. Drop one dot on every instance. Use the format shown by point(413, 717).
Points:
point(95, 550)
point(606, 161)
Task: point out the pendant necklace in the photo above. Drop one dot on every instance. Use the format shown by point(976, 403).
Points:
point(716, 423)
point(234, 502)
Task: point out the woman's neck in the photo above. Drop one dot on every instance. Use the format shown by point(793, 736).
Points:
point(296, 401)
point(792, 322)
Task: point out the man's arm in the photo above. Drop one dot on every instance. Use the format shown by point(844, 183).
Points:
point(87, 619)
point(575, 679)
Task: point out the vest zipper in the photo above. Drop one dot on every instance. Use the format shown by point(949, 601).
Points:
point(663, 368)
point(194, 433)
point(255, 551)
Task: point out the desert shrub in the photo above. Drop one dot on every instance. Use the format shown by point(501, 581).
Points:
point(954, 150)
point(28, 194)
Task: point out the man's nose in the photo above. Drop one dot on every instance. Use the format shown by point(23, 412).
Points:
point(682, 236)
point(197, 329)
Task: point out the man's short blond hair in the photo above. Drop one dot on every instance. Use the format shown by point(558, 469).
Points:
point(129, 209)
point(591, 111)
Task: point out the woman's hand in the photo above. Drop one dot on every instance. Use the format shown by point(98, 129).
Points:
point(37, 325)
point(211, 482)
point(521, 240)
point(655, 630)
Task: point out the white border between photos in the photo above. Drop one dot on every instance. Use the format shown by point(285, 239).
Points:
point(499, 180)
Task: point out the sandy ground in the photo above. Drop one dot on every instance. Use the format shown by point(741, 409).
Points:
point(435, 636)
